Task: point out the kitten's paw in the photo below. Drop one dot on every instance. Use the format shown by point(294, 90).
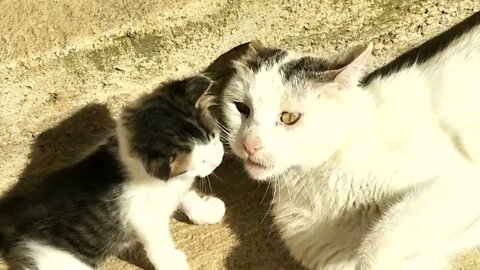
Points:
point(174, 260)
point(209, 212)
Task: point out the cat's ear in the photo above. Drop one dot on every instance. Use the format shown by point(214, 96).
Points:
point(222, 67)
point(199, 89)
point(254, 47)
point(197, 86)
point(353, 64)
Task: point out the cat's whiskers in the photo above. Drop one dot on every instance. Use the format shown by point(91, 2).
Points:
point(222, 126)
point(228, 153)
point(225, 131)
point(227, 137)
point(296, 177)
point(218, 177)
point(209, 184)
point(202, 184)
point(275, 191)
point(265, 193)
point(262, 201)
point(310, 197)
point(228, 150)
point(282, 185)
point(290, 199)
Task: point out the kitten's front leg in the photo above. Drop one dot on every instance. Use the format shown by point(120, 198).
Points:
point(202, 210)
point(425, 228)
point(160, 247)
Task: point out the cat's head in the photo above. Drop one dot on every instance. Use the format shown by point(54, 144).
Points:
point(285, 110)
point(172, 132)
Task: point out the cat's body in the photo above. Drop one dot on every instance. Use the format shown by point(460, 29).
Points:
point(123, 192)
point(383, 176)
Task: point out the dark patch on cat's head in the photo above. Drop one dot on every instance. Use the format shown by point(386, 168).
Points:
point(162, 127)
point(317, 68)
point(307, 68)
point(259, 56)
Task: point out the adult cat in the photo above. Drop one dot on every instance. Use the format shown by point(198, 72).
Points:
point(380, 176)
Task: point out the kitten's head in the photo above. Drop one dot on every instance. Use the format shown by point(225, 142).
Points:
point(172, 132)
point(285, 110)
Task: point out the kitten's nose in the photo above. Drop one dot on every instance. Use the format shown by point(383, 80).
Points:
point(252, 145)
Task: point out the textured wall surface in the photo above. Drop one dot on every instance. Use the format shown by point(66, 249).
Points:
point(68, 66)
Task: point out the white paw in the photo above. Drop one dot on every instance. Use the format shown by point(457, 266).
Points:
point(211, 211)
point(174, 260)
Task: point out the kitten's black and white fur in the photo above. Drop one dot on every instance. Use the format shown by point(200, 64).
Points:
point(125, 191)
point(383, 175)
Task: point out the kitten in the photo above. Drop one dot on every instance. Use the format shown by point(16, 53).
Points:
point(125, 191)
point(385, 175)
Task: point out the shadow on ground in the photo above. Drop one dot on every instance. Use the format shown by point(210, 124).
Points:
point(248, 203)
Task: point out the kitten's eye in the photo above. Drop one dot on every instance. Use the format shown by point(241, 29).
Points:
point(172, 158)
point(242, 108)
point(289, 118)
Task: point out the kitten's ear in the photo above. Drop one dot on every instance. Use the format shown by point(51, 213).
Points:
point(254, 46)
point(197, 86)
point(158, 167)
point(353, 64)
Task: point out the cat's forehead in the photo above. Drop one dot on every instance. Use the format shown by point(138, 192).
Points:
point(265, 58)
point(280, 77)
point(303, 68)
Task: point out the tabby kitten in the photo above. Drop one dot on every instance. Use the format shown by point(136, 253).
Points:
point(379, 175)
point(125, 191)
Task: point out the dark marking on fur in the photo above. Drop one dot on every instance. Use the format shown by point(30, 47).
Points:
point(308, 68)
point(263, 56)
point(181, 164)
point(426, 51)
point(66, 198)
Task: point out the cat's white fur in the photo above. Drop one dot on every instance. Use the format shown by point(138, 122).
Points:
point(385, 177)
point(149, 204)
point(51, 258)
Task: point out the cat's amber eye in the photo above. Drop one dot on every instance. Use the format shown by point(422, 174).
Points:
point(290, 118)
point(242, 108)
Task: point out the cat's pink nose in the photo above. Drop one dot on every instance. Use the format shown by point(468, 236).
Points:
point(252, 145)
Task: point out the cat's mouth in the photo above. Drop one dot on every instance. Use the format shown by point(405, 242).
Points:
point(258, 170)
point(255, 164)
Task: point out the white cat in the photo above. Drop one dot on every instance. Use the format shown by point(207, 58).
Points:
point(380, 176)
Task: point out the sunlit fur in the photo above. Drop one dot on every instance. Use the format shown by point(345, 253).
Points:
point(380, 177)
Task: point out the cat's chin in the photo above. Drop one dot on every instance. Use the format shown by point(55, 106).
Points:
point(258, 172)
